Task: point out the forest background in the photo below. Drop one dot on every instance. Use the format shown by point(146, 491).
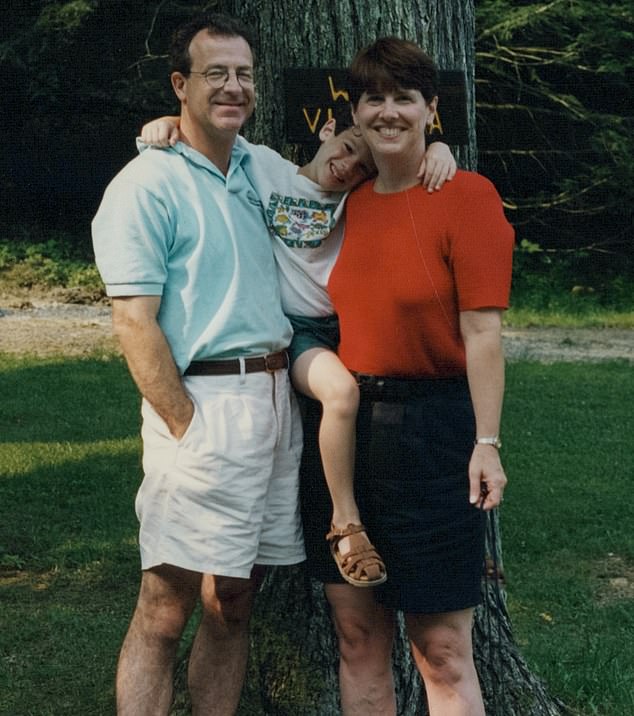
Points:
point(554, 84)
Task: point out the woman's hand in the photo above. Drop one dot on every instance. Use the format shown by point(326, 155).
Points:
point(486, 477)
point(437, 167)
point(161, 132)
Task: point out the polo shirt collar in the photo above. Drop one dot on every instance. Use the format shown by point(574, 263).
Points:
point(238, 154)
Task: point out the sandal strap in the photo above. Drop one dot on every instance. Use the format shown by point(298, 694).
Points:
point(346, 531)
point(363, 563)
point(361, 560)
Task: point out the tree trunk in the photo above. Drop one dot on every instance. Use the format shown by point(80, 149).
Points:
point(293, 663)
point(313, 33)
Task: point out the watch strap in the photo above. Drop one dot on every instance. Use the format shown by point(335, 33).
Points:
point(494, 440)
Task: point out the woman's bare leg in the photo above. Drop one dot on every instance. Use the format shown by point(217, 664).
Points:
point(443, 652)
point(365, 631)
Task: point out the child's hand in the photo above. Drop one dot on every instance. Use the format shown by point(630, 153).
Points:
point(161, 132)
point(437, 167)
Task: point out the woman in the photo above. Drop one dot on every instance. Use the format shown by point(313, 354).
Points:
point(419, 287)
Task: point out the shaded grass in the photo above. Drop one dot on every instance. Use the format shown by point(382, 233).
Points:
point(69, 466)
point(69, 470)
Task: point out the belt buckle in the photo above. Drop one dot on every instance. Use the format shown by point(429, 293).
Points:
point(370, 381)
point(268, 360)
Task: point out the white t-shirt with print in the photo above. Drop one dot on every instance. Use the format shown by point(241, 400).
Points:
point(303, 223)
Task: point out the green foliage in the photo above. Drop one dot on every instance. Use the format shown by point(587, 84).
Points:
point(570, 289)
point(65, 17)
point(555, 122)
point(55, 262)
point(88, 77)
point(576, 283)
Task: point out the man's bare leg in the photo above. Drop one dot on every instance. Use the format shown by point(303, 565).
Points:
point(218, 660)
point(145, 671)
point(365, 631)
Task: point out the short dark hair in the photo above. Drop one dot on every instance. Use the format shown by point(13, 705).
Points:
point(392, 63)
point(215, 24)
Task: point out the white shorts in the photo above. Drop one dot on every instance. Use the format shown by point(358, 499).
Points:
point(225, 496)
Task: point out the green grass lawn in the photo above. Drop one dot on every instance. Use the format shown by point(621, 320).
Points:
point(567, 527)
point(68, 562)
point(70, 466)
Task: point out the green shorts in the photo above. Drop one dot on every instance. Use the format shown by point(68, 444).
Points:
point(313, 332)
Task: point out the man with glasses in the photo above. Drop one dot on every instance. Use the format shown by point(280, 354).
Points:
point(218, 77)
point(182, 247)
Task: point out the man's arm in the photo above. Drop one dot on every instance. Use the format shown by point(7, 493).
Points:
point(482, 334)
point(150, 360)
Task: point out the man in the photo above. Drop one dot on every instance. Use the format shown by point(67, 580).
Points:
point(182, 247)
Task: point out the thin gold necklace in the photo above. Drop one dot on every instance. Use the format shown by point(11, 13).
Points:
point(422, 257)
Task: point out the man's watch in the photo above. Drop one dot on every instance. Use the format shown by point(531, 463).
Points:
point(495, 441)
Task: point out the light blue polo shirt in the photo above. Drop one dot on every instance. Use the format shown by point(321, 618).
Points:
point(172, 225)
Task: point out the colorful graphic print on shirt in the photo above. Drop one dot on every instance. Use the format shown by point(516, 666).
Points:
point(300, 223)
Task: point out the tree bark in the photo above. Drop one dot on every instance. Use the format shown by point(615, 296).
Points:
point(314, 33)
point(293, 662)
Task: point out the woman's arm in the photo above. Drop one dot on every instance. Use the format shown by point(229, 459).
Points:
point(482, 335)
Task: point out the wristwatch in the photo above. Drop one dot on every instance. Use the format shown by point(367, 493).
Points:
point(495, 441)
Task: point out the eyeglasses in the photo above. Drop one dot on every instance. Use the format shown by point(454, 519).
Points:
point(218, 78)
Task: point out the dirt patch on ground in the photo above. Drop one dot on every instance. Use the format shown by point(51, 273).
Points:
point(43, 329)
point(46, 327)
point(569, 344)
point(615, 577)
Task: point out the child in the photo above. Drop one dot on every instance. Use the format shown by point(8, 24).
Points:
point(302, 207)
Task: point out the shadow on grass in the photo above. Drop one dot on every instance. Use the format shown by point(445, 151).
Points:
point(69, 572)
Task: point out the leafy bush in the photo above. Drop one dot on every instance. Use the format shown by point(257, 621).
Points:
point(55, 262)
point(572, 282)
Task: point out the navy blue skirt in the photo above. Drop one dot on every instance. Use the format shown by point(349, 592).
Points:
point(414, 442)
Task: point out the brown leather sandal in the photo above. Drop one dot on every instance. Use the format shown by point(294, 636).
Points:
point(361, 565)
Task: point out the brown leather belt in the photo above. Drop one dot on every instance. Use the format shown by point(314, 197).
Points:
point(231, 366)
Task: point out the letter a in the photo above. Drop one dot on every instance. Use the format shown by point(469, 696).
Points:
point(436, 125)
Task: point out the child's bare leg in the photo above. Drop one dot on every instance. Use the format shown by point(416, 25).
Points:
point(319, 374)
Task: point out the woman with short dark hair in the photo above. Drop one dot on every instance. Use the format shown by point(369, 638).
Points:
point(419, 287)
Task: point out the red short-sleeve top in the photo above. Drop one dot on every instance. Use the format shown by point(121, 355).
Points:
point(410, 262)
